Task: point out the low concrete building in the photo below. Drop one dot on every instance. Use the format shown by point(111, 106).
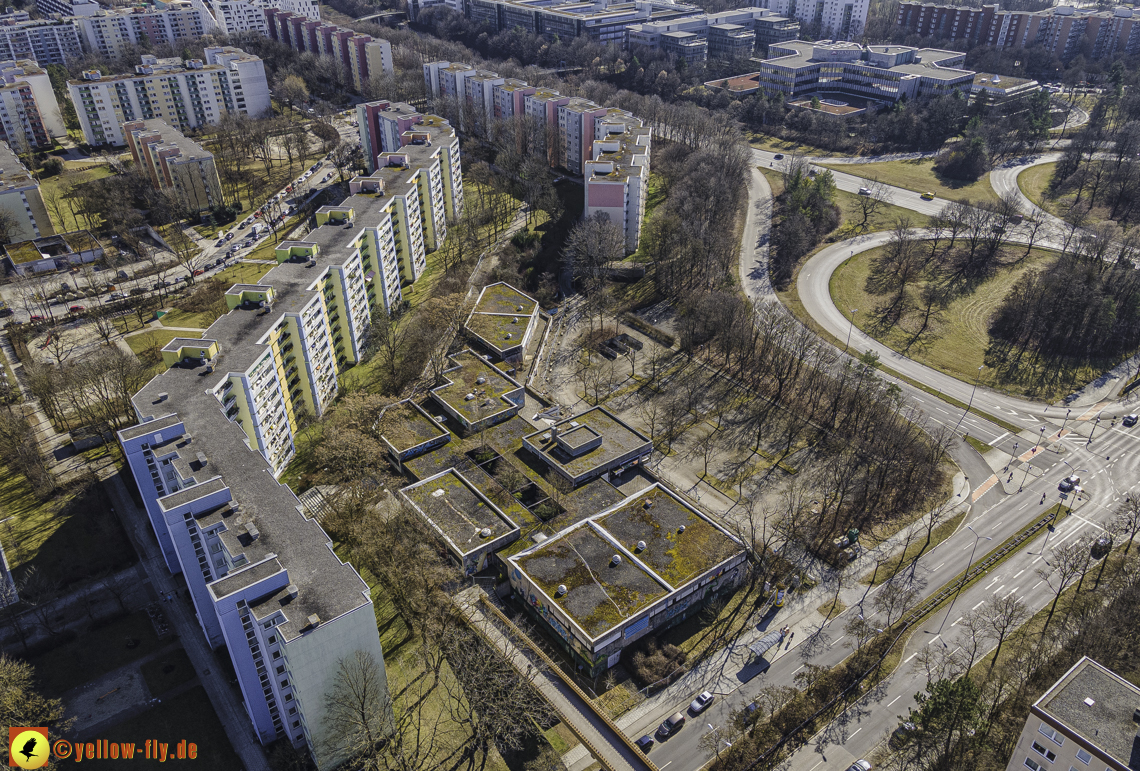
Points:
point(586, 446)
point(408, 431)
point(1000, 89)
point(477, 395)
point(60, 252)
point(631, 570)
point(503, 320)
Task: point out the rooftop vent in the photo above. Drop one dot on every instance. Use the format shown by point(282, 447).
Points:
point(615, 560)
point(573, 424)
point(509, 335)
point(480, 380)
point(681, 529)
point(252, 530)
point(163, 396)
point(468, 397)
point(561, 590)
point(648, 504)
point(202, 458)
point(292, 590)
point(518, 308)
point(485, 532)
point(1089, 701)
point(641, 545)
point(314, 620)
point(514, 319)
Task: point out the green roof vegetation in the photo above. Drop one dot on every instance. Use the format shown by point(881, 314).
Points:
point(504, 298)
point(618, 439)
point(464, 379)
point(493, 329)
point(407, 427)
point(458, 511)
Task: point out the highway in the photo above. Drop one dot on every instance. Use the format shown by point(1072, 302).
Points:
point(1002, 507)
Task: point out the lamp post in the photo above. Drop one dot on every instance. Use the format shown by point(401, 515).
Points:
point(716, 735)
point(972, 392)
point(850, 329)
point(1066, 420)
point(1027, 465)
point(1093, 429)
point(965, 575)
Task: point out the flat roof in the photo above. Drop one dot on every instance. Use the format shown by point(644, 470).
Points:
point(1098, 704)
point(59, 245)
point(172, 137)
point(463, 380)
point(463, 515)
point(618, 439)
point(504, 298)
point(405, 425)
point(599, 593)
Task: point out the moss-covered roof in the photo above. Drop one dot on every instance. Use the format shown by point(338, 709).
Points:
point(405, 426)
point(458, 511)
point(504, 298)
point(677, 557)
point(618, 439)
point(464, 379)
point(599, 594)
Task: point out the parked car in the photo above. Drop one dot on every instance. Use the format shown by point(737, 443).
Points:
point(701, 703)
point(927, 196)
point(1101, 547)
point(116, 296)
point(645, 743)
point(901, 734)
point(861, 765)
point(672, 725)
point(77, 309)
point(229, 235)
point(35, 318)
point(1068, 483)
point(257, 214)
point(864, 191)
point(1130, 420)
point(199, 272)
point(221, 243)
point(160, 284)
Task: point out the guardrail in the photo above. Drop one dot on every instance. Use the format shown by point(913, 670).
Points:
point(571, 684)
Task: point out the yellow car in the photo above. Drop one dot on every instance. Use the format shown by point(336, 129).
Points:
point(927, 196)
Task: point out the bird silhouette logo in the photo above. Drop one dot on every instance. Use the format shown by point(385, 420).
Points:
point(28, 747)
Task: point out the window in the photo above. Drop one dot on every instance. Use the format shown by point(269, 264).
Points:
point(281, 669)
point(285, 682)
point(1033, 765)
point(1084, 757)
point(272, 639)
point(296, 723)
point(1052, 734)
point(288, 697)
point(292, 710)
point(1048, 754)
point(276, 655)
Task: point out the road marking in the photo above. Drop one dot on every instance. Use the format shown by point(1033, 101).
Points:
point(991, 583)
point(1086, 521)
point(932, 639)
point(852, 736)
point(995, 527)
point(671, 763)
point(1012, 592)
point(1022, 506)
point(967, 546)
point(998, 589)
point(956, 622)
point(837, 639)
point(908, 658)
point(813, 768)
point(942, 410)
point(1038, 584)
point(980, 604)
point(940, 566)
point(1019, 572)
point(801, 667)
point(1003, 436)
point(892, 701)
point(1034, 562)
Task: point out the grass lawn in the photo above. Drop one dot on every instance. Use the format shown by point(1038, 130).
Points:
point(244, 272)
point(919, 175)
point(66, 539)
point(189, 716)
point(883, 219)
point(278, 178)
point(144, 345)
point(960, 340)
point(772, 144)
point(180, 318)
point(165, 672)
point(900, 560)
point(62, 182)
point(1035, 180)
point(95, 653)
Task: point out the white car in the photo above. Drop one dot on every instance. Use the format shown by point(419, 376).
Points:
point(861, 765)
point(864, 191)
point(701, 703)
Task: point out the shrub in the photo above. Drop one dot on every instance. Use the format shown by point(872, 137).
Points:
point(52, 167)
point(653, 662)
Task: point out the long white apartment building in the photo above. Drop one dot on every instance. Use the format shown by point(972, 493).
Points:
point(21, 200)
point(109, 32)
point(61, 8)
point(29, 113)
point(841, 19)
point(42, 41)
point(234, 16)
point(216, 432)
point(184, 94)
point(617, 176)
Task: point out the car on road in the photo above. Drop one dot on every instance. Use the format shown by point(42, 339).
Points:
point(199, 272)
point(927, 196)
point(77, 309)
point(116, 296)
point(1130, 420)
point(137, 291)
point(221, 242)
point(901, 734)
point(645, 743)
point(701, 703)
point(35, 318)
point(326, 177)
point(1068, 483)
point(160, 284)
point(861, 765)
point(1101, 547)
point(229, 235)
point(864, 191)
point(672, 725)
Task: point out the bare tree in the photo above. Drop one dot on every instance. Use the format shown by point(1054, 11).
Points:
point(868, 204)
point(1002, 617)
point(1066, 563)
point(1127, 520)
point(358, 713)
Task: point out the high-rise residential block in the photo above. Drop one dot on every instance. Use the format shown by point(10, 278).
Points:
point(64, 8)
point(839, 19)
point(183, 94)
point(617, 176)
point(20, 199)
point(29, 113)
point(110, 32)
point(362, 56)
point(174, 163)
point(43, 41)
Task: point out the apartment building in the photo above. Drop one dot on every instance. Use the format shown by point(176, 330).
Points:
point(110, 32)
point(29, 113)
point(61, 8)
point(878, 74)
point(600, 22)
point(729, 35)
point(175, 163)
point(234, 16)
point(840, 19)
point(1089, 719)
point(361, 56)
point(1063, 30)
point(617, 177)
point(216, 431)
point(183, 94)
point(43, 42)
point(20, 198)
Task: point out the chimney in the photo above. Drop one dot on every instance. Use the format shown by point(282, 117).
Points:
point(163, 396)
point(314, 621)
point(252, 531)
point(292, 590)
point(202, 459)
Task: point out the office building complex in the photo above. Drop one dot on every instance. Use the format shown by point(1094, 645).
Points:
point(600, 22)
point(721, 36)
point(174, 163)
point(110, 32)
point(841, 19)
point(29, 113)
point(877, 74)
point(359, 55)
point(1089, 719)
point(20, 199)
point(605, 145)
point(44, 42)
point(1063, 30)
point(183, 94)
point(216, 431)
point(60, 8)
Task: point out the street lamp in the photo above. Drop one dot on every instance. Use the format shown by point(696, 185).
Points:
point(850, 329)
point(1093, 429)
point(972, 392)
point(965, 575)
point(1030, 463)
point(716, 734)
point(1066, 420)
